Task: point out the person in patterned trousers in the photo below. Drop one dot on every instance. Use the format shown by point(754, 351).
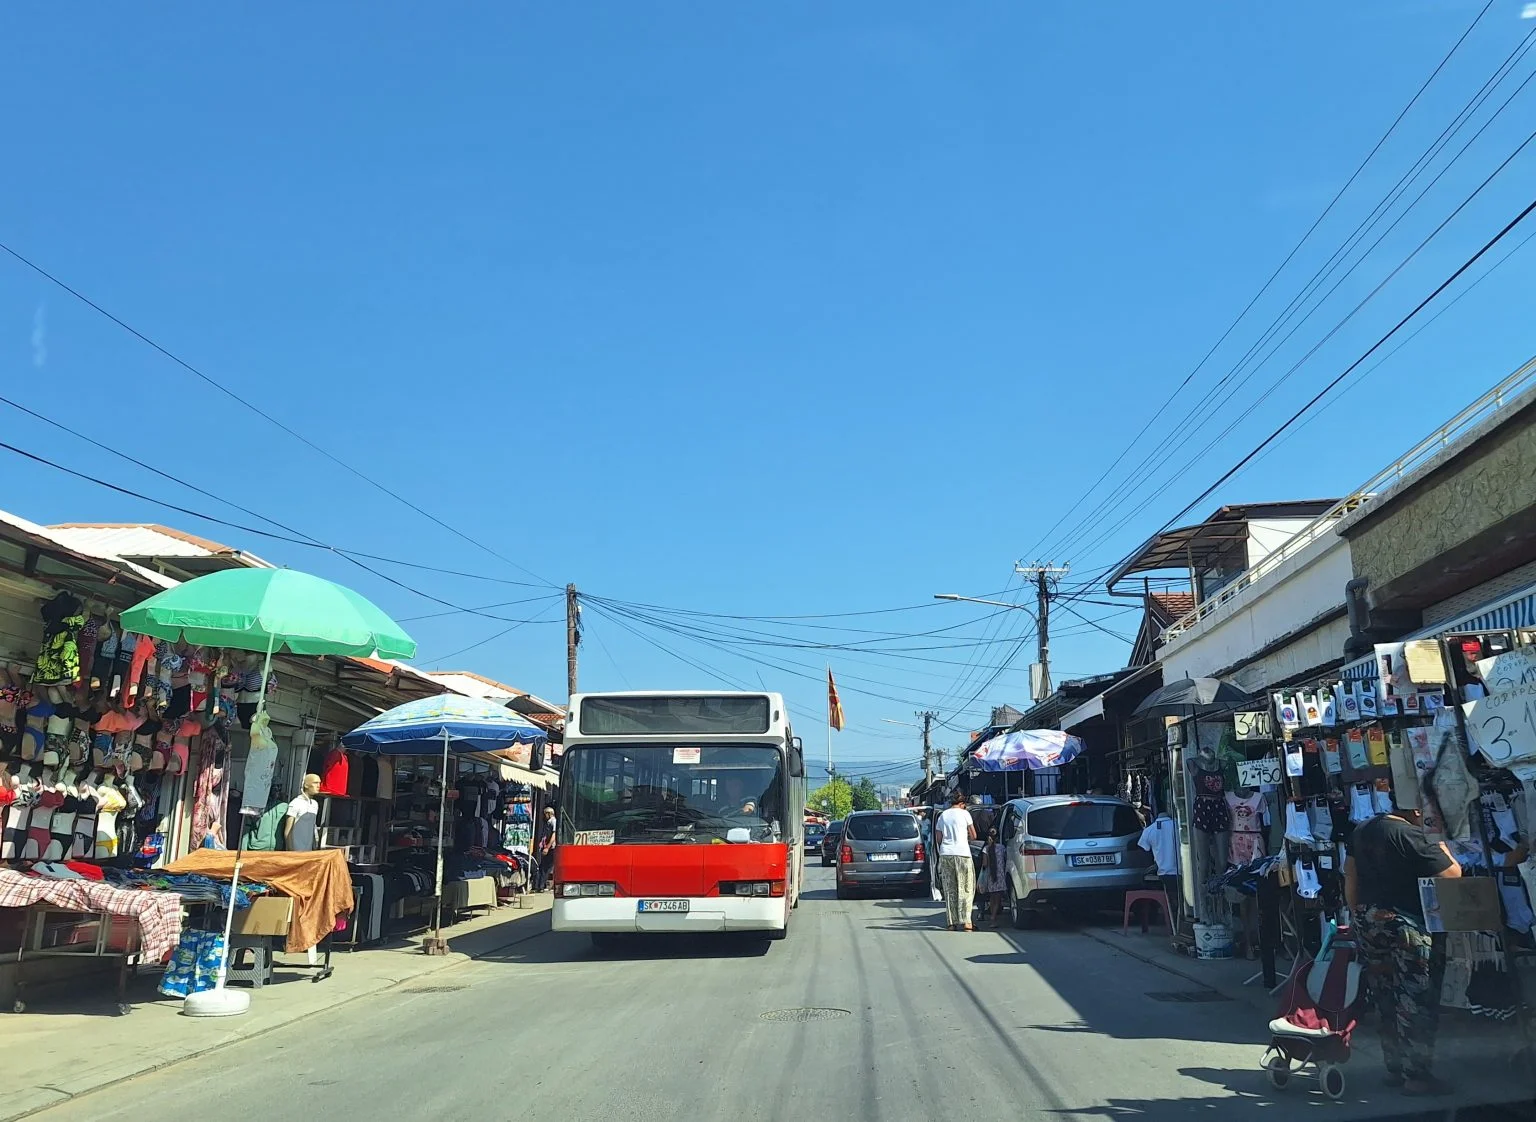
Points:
point(1403, 963)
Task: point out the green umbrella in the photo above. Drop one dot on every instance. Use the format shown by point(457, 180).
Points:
point(270, 610)
point(267, 610)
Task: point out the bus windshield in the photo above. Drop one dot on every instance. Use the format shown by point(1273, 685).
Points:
point(671, 794)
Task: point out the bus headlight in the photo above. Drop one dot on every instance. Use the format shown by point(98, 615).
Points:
point(573, 888)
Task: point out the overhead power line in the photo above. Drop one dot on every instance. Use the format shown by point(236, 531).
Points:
point(1269, 282)
point(1348, 370)
point(264, 415)
point(1141, 478)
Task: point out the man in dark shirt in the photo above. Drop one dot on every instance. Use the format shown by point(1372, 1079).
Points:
point(1404, 964)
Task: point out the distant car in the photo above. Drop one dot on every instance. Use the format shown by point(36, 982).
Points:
point(831, 840)
point(1069, 850)
point(814, 832)
point(882, 849)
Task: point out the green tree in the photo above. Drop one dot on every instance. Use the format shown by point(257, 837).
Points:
point(865, 797)
point(834, 799)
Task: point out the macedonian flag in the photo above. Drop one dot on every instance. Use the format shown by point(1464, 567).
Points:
point(834, 706)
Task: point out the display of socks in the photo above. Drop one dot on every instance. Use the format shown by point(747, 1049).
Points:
point(1308, 887)
point(1298, 828)
point(1361, 808)
point(1321, 819)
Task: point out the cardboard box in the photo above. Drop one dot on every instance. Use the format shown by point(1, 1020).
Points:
point(1461, 904)
point(267, 915)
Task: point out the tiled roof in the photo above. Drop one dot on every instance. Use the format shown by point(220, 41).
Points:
point(1176, 604)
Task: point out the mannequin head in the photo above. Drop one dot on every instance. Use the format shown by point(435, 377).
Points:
point(311, 785)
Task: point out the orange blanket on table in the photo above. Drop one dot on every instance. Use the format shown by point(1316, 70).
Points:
point(318, 881)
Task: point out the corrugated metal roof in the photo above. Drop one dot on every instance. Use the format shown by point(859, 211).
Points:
point(472, 685)
point(128, 539)
point(478, 685)
point(58, 538)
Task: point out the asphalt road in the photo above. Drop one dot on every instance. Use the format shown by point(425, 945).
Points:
point(870, 1010)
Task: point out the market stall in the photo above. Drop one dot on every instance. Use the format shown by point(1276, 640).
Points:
point(1437, 723)
point(438, 728)
point(267, 611)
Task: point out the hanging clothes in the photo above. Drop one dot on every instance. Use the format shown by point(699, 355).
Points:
point(58, 661)
point(1210, 813)
point(1247, 835)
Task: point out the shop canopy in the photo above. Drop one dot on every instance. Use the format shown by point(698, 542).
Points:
point(1026, 750)
point(1511, 612)
point(467, 725)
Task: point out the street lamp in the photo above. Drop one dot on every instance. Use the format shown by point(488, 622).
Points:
point(1039, 672)
point(977, 600)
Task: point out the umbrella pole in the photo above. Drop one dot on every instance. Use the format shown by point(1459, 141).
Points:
point(222, 1003)
point(234, 882)
point(435, 945)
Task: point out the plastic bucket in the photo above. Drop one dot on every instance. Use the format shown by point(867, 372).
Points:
point(1213, 940)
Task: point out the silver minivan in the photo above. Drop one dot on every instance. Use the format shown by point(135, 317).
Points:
point(1070, 850)
point(881, 849)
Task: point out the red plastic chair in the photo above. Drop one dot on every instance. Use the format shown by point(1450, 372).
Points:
point(1154, 896)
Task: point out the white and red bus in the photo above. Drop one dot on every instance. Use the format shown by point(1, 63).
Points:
point(679, 812)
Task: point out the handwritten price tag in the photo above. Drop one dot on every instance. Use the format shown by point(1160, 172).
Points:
point(1257, 773)
point(1508, 670)
point(1504, 725)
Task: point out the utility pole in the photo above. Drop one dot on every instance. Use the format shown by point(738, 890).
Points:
point(927, 717)
point(1043, 593)
point(572, 638)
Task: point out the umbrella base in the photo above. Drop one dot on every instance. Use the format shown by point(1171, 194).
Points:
point(218, 1002)
point(434, 945)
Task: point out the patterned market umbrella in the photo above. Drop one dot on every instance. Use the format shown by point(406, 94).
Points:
point(1026, 750)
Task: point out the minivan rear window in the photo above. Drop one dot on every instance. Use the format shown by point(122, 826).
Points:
point(882, 827)
point(1074, 821)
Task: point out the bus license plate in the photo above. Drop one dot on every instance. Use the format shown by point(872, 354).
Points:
point(882, 856)
point(1094, 859)
point(663, 905)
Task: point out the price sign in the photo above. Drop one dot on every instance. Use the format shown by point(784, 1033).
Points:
point(1504, 725)
point(1508, 670)
point(1257, 773)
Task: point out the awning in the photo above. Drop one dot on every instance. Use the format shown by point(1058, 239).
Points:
point(509, 772)
point(1087, 711)
point(1511, 612)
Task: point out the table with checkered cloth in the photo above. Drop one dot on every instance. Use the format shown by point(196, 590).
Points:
point(158, 913)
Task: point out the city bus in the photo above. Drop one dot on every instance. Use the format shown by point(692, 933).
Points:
point(679, 812)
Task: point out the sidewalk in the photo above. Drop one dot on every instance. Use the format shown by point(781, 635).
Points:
point(65, 1046)
point(1482, 1058)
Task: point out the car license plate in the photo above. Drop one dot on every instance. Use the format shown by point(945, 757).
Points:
point(883, 856)
point(1094, 859)
point(663, 905)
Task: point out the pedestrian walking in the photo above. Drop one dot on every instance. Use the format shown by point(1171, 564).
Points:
point(1404, 963)
point(544, 850)
point(993, 875)
point(954, 831)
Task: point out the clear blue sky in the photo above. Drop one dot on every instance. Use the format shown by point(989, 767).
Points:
point(794, 308)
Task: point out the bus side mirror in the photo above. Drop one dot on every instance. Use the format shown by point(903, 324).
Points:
point(796, 762)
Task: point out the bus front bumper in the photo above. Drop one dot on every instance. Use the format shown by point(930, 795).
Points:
point(705, 913)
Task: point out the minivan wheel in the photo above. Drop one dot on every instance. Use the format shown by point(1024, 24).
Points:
point(844, 893)
point(1021, 916)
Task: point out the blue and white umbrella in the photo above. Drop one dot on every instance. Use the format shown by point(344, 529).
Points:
point(1026, 750)
point(438, 724)
point(465, 724)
